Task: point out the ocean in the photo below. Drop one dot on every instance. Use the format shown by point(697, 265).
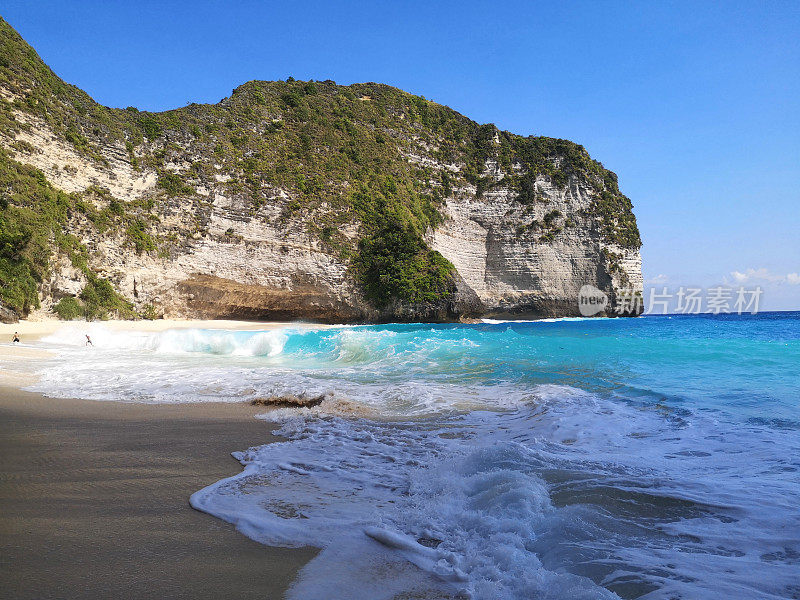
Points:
point(656, 457)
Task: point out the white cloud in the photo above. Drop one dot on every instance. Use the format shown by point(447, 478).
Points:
point(740, 277)
point(660, 278)
point(764, 275)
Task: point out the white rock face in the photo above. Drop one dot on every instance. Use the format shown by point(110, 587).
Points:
point(228, 260)
point(515, 272)
point(73, 172)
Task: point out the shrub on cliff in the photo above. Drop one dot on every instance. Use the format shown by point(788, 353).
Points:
point(395, 263)
point(173, 185)
point(141, 240)
point(100, 300)
point(69, 308)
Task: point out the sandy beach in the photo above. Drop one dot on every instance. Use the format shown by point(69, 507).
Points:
point(94, 495)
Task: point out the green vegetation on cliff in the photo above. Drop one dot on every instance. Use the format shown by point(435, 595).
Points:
point(32, 213)
point(344, 156)
point(393, 263)
point(33, 228)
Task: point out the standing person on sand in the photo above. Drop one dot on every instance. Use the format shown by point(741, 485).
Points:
point(15, 339)
point(89, 340)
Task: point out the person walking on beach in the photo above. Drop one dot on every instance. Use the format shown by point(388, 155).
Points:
point(15, 340)
point(89, 340)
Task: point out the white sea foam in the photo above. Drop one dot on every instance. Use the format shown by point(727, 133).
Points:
point(542, 502)
point(547, 320)
point(378, 492)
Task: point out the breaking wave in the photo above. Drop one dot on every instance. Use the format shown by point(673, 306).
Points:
point(174, 341)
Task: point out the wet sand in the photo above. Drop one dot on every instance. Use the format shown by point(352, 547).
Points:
point(94, 502)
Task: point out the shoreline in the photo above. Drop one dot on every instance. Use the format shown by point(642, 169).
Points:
point(94, 501)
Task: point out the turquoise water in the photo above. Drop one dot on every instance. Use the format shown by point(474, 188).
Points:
point(655, 458)
point(746, 367)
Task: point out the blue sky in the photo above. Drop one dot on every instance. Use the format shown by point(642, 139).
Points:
point(695, 105)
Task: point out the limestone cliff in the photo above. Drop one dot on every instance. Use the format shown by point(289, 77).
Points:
point(294, 200)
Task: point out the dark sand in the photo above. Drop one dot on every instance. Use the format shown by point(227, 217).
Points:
point(94, 502)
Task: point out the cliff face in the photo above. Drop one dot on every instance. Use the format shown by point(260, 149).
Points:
point(295, 200)
point(516, 275)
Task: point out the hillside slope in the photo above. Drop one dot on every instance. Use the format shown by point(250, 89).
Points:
point(294, 199)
